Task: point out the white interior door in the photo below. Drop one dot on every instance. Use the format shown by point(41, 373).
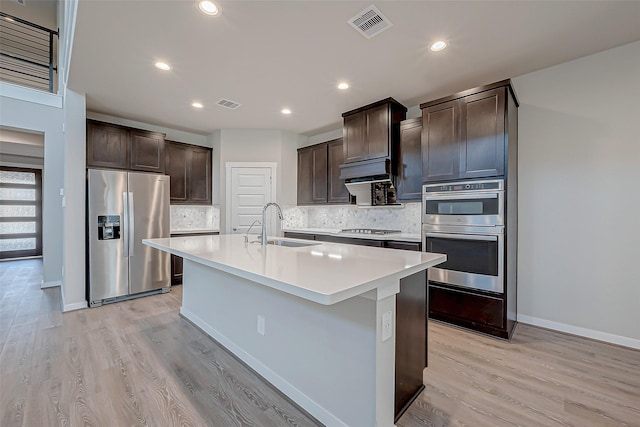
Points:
point(250, 189)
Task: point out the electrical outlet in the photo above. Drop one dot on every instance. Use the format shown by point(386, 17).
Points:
point(387, 325)
point(261, 324)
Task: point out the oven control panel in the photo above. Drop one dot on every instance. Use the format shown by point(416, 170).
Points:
point(465, 186)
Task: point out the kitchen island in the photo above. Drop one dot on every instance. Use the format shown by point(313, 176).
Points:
point(316, 320)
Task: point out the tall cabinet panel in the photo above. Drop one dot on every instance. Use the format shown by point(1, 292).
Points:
point(440, 136)
point(355, 137)
point(312, 175)
point(482, 134)
point(337, 191)
point(107, 145)
point(409, 176)
point(378, 120)
point(200, 175)
point(319, 168)
point(176, 168)
point(189, 168)
point(147, 151)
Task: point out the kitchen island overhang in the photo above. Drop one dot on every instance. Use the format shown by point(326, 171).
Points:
point(322, 306)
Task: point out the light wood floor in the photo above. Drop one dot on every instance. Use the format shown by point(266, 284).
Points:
point(139, 363)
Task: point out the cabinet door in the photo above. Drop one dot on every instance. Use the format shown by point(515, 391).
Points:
point(176, 168)
point(199, 176)
point(407, 246)
point(305, 176)
point(337, 192)
point(482, 134)
point(176, 270)
point(107, 146)
point(377, 135)
point(440, 136)
point(355, 138)
point(147, 151)
point(409, 176)
point(319, 169)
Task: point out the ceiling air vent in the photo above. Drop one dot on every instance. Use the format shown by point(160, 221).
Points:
point(370, 22)
point(228, 104)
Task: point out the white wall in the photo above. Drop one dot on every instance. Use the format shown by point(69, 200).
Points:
point(73, 279)
point(579, 202)
point(31, 116)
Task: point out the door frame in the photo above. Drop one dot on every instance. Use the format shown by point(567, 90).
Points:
point(230, 165)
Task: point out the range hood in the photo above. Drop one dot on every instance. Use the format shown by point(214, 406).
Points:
point(362, 189)
point(363, 178)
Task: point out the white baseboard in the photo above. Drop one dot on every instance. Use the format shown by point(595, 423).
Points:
point(74, 306)
point(320, 413)
point(53, 284)
point(583, 332)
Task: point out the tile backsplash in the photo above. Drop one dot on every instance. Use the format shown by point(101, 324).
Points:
point(406, 218)
point(185, 217)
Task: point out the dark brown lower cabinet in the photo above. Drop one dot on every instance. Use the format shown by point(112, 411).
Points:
point(176, 261)
point(411, 340)
point(474, 310)
point(411, 320)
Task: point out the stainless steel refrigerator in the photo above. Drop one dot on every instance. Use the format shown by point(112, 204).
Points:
point(123, 209)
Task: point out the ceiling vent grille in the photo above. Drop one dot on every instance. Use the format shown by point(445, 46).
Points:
point(225, 103)
point(370, 22)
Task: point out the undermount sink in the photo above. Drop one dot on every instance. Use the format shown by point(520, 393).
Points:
point(290, 243)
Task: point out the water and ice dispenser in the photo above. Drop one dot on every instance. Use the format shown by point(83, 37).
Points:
point(108, 227)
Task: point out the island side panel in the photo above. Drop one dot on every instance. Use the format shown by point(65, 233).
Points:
point(328, 359)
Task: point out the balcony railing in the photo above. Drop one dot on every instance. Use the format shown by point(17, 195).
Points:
point(26, 53)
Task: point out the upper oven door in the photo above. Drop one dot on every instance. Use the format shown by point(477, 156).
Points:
point(474, 260)
point(464, 208)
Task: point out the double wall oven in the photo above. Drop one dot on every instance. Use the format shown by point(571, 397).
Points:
point(465, 221)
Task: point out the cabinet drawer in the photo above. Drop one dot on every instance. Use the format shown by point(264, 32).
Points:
point(466, 307)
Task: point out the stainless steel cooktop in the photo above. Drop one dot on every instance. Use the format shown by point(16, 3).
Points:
point(369, 231)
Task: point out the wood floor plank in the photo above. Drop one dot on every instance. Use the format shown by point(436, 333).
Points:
point(139, 363)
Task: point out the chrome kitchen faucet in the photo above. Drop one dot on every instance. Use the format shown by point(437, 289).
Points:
point(263, 236)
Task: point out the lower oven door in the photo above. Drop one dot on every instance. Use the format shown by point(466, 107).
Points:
point(475, 256)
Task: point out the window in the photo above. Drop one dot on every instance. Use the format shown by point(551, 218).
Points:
point(20, 212)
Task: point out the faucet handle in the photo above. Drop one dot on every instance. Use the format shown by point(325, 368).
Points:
point(246, 235)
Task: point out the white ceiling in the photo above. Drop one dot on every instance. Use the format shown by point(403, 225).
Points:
point(268, 55)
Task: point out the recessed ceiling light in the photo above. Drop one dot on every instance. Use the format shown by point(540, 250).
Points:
point(286, 111)
point(438, 46)
point(197, 105)
point(163, 66)
point(343, 86)
point(209, 7)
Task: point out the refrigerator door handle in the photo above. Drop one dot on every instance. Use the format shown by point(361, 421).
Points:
point(125, 240)
point(131, 227)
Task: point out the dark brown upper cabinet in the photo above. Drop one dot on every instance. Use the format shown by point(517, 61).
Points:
point(312, 174)
point(465, 135)
point(337, 191)
point(147, 151)
point(119, 147)
point(372, 131)
point(409, 174)
point(319, 174)
point(107, 145)
point(189, 170)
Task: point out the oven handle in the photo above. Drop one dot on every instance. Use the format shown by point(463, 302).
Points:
point(464, 237)
point(463, 196)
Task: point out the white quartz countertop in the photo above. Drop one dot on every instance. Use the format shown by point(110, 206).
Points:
point(403, 237)
point(325, 273)
point(195, 231)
